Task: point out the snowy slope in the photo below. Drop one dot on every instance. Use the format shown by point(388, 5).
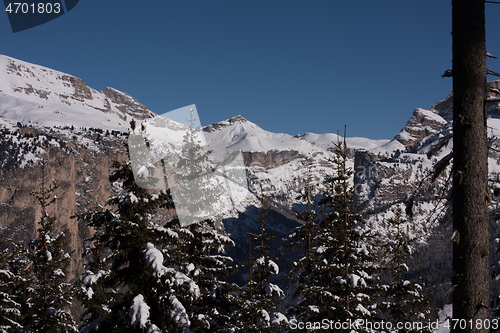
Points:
point(40, 95)
point(36, 94)
point(325, 141)
point(238, 133)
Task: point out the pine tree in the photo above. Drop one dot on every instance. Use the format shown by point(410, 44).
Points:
point(341, 274)
point(52, 293)
point(10, 308)
point(406, 300)
point(303, 236)
point(191, 178)
point(258, 308)
point(200, 255)
point(126, 286)
point(16, 280)
point(201, 250)
point(148, 273)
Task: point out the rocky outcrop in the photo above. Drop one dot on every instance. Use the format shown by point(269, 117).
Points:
point(428, 122)
point(127, 104)
point(81, 90)
point(270, 159)
point(421, 124)
point(79, 165)
point(19, 78)
point(363, 160)
point(225, 123)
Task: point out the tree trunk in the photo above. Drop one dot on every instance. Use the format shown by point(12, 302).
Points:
point(470, 214)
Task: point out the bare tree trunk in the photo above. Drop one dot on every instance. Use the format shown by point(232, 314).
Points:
point(470, 214)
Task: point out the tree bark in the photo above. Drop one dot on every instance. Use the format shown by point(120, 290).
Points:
point(470, 214)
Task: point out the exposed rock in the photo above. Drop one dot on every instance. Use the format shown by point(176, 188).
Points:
point(81, 90)
point(362, 161)
point(225, 123)
point(127, 104)
point(421, 124)
point(80, 172)
point(270, 159)
point(424, 123)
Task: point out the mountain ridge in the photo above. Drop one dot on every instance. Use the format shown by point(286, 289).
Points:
point(56, 98)
point(79, 150)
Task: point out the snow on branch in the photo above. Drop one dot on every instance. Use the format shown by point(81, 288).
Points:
point(139, 311)
point(179, 314)
point(272, 289)
point(154, 257)
point(91, 278)
point(279, 319)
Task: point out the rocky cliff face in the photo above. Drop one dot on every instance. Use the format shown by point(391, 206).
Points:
point(421, 124)
point(77, 162)
point(270, 159)
point(424, 123)
point(126, 104)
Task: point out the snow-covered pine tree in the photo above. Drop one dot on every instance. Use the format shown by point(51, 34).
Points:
point(146, 272)
point(200, 254)
point(10, 308)
point(257, 311)
point(126, 287)
point(191, 177)
point(302, 237)
point(405, 300)
point(15, 288)
point(201, 249)
point(52, 294)
point(341, 278)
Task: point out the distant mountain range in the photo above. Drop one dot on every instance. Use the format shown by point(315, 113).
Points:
point(48, 114)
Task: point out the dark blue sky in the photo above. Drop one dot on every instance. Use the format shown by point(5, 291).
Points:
point(289, 66)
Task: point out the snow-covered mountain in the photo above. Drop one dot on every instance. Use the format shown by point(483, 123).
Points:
point(45, 98)
point(238, 133)
point(40, 95)
point(54, 115)
point(50, 114)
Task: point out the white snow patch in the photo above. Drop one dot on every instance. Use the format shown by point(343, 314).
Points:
point(274, 289)
point(275, 268)
point(279, 318)
point(139, 311)
point(91, 278)
point(179, 314)
point(444, 315)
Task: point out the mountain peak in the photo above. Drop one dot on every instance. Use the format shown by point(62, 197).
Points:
point(227, 123)
point(30, 92)
point(237, 118)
